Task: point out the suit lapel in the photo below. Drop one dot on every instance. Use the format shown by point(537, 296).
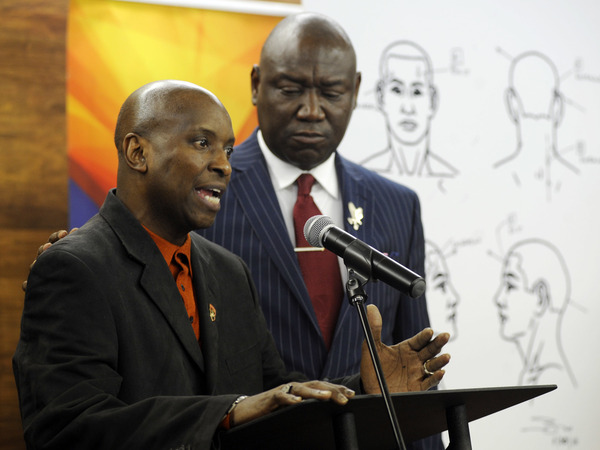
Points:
point(353, 190)
point(156, 279)
point(158, 283)
point(208, 298)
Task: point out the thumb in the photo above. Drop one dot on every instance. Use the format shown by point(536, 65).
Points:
point(375, 322)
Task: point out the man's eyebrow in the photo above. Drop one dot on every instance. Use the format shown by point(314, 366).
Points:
point(332, 82)
point(289, 77)
point(203, 130)
point(439, 275)
point(510, 275)
point(327, 82)
point(396, 80)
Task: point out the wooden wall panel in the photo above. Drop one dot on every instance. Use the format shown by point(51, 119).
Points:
point(33, 166)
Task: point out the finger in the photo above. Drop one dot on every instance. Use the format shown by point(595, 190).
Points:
point(375, 321)
point(285, 395)
point(421, 339)
point(432, 380)
point(337, 388)
point(434, 347)
point(57, 235)
point(341, 394)
point(24, 286)
point(73, 229)
point(322, 391)
point(437, 363)
point(43, 248)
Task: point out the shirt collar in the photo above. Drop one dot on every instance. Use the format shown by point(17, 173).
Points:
point(284, 174)
point(168, 250)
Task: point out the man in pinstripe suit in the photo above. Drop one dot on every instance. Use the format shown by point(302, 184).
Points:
point(305, 89)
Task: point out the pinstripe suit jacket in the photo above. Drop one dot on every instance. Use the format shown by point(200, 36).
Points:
point(251, 225)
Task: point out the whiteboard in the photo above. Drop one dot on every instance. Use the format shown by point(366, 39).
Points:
point(490, 111)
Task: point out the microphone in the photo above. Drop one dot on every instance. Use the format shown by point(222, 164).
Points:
point(320, 231)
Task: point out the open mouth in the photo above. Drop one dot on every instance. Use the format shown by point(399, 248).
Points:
point(212, 195)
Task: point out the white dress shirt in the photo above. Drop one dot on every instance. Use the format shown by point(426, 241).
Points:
point(325, 191)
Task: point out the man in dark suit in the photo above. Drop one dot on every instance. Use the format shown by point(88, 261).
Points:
point(305, 89)
point(137, 333)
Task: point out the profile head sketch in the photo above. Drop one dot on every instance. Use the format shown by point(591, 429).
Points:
point(532, 298)
point(442, 297)
point(408, 100)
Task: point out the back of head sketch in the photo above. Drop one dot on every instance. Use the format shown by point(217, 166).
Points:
point(535, 105)
point(534, 90)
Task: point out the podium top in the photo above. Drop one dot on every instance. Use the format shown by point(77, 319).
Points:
point(309, 424)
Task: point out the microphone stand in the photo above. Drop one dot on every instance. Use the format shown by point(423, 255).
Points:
point(357, 297)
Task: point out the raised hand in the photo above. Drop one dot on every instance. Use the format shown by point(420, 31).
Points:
point(411, 365)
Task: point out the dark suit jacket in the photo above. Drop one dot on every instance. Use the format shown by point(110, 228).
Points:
point(107, 357)
point(251, 225)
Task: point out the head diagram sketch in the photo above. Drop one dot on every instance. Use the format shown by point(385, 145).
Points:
point(532, 298)
point(442, 298)
point(535, 105)
point(408, 100)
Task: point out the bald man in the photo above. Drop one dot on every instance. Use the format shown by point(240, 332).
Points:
point(137, 333)
point(305, 89)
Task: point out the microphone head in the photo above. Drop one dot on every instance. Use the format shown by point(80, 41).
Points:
point(417, 288)
point(315, 227)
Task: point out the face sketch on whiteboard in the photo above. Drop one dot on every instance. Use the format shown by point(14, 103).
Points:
point(532, 298)
point(408, 100)
point(535, 106)
point(442, 298)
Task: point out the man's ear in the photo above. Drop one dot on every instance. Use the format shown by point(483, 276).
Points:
point(435, 101)
point(134, 152)
point(513, 104)
point(379, 93)
point(557, 109)
point(543, 295)
point(254, 82)
point(357, 81)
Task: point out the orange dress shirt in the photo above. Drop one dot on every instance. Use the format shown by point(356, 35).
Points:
point(179, 261)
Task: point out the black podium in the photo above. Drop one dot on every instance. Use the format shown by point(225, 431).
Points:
point(363, 422)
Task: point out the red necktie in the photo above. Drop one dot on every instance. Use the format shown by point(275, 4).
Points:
point(320, 269)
